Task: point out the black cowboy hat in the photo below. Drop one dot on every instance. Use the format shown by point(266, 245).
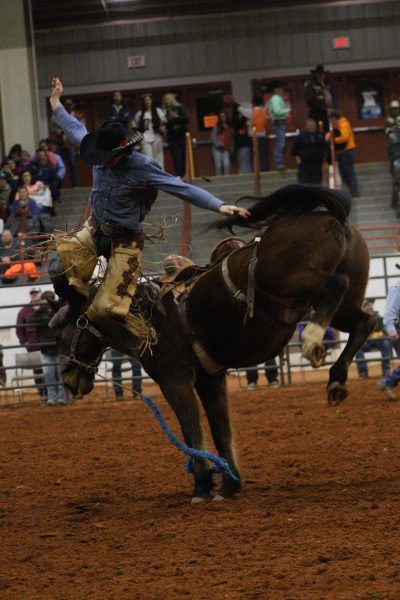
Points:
point(319, 69)
point(276, 83)
point(108, 141)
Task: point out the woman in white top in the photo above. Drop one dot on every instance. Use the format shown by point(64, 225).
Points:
point(150, 121)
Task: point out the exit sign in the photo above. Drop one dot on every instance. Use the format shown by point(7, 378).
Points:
point(341, 42)
point(136, 62)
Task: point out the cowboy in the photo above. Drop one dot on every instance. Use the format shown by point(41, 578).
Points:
point(318, 97)
point(125, 185)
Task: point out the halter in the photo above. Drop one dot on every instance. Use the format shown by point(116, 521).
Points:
point(83, 324)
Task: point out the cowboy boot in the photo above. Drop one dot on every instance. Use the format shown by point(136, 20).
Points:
point(78, 257)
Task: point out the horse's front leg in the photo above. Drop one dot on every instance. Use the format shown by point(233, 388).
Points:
point(179, 393)
point(325, 305)
point(359, 325)
point(212, 393)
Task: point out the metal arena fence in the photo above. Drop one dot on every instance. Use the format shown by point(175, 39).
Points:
point(22, 383)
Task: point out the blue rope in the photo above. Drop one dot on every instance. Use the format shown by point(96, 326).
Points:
point(221, 465)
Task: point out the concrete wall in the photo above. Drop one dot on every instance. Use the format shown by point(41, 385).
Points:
point(18, 83)
point(238, 47)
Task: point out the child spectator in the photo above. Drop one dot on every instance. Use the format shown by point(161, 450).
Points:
point(23, 195)
point(345, 145)
point(38, 191)
point(309, 150)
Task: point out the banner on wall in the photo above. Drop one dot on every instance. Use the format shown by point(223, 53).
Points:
point(370, 101)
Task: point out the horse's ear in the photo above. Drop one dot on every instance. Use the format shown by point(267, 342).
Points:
point(54, 304)
point(61, 316)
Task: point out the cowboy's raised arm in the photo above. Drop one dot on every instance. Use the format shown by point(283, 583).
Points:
point(73, 129)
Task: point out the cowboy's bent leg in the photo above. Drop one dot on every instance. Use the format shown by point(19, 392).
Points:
point(79, 257)
point(115, 294)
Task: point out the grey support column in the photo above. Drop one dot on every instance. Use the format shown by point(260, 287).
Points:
point(19, 107)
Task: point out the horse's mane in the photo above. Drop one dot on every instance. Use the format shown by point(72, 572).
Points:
point(294, 199)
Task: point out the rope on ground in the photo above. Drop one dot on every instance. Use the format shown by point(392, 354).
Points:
point(221, 465)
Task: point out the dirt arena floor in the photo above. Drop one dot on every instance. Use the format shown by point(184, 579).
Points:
point(95, 504)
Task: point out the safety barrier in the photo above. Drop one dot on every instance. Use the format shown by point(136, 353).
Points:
point(382, 237)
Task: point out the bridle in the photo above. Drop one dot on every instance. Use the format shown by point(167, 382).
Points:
point(83, 324)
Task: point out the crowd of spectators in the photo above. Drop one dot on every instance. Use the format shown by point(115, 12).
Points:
point(30, 187)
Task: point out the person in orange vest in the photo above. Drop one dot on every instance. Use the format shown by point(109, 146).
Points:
point(345, 145)
point(259, 122)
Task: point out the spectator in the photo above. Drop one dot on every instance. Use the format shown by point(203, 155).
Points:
point(27, 334)
point(49, 355)
point(377, 340)
point(118, 111)
point(319, 98)
point(23, 195)
point(309, 150)
point(278, 113)
point(38, 191)
point(23, 222)
point(55, 159)
point(43, 170)
point(5, 195)
point(25, 161)
point(241, 140)
point(63, 146)
point(15, 153)
point(10, 168)
point(259, 122)
point(177, 120)
point(117, 358)
point(8, 251)
point(271, 373)
point(345, 145)
point(150, 121)
point(222, 143)
point(394, 158)
point(393, 118)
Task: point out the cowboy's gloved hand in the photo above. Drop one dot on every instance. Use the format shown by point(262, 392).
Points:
point(228, 210)
point(56, 92)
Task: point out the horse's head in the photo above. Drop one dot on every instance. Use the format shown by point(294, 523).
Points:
point(81, 347)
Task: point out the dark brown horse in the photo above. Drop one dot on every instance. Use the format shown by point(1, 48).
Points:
point(308, 256)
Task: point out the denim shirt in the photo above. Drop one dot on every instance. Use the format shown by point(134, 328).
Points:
point(124, 194)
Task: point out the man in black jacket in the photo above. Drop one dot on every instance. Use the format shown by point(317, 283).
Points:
point(309, 150)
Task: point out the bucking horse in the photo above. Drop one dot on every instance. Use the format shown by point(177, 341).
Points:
point(239, 311)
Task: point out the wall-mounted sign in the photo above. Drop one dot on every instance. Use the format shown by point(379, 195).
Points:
point(339, 43)
point(370, 101)
point(136, 62)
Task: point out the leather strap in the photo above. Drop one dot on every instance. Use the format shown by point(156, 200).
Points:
point(251, 281)
point(236, 292)
point(207, 362)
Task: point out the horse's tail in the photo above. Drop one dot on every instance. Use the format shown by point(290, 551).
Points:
point(291, 200)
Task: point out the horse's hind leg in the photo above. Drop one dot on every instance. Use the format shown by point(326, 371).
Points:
point(179, 393)
point(212, 393)
point(359, 325)
point(329, 297)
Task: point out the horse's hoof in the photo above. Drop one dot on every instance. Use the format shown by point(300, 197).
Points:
point(198, 500)
point(337, 392)
point(316, 355)
point(218, 498)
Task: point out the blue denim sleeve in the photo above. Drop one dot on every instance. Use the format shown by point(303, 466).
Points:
point(161, 180)
point(73, 129)
point(392, 309)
